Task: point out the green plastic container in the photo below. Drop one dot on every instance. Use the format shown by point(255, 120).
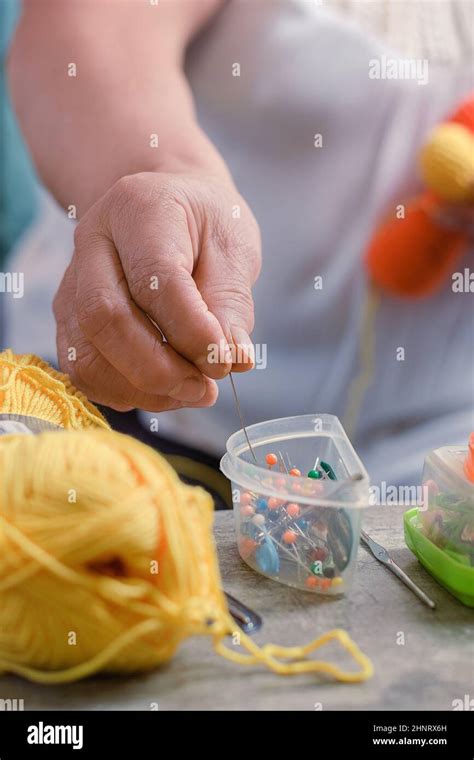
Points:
point(456, 577)
point(441, 532)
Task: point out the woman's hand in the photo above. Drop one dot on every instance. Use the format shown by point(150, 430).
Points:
point(174, 251)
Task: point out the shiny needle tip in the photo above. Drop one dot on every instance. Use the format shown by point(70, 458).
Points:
point(239, 411)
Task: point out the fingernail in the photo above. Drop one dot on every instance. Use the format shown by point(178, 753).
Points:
point(245, 350)
point(191, 389)
point(246, 353)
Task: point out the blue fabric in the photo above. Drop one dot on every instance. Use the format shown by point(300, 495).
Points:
point(17, 177)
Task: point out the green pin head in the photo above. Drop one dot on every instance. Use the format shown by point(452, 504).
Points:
point(328, 470)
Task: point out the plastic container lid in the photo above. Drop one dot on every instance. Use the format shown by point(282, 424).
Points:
point(351, 491)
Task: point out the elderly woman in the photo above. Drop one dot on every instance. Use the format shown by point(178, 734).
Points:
point(143, 119)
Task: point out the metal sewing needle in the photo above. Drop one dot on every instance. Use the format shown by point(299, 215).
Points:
point(382, 555)
point(239, 411)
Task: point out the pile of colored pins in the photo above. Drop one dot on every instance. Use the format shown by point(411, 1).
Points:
point(298, 543)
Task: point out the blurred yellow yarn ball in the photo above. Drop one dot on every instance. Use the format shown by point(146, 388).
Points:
point(106, 557)
point(447, 163)
point(107, 560)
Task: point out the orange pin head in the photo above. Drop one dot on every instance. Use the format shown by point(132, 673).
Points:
point(295, 472)
point(271, 459)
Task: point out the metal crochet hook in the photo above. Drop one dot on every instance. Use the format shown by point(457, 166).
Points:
point(239, 412)
point(382, 555)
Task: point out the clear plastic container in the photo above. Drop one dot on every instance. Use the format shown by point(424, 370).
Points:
point(441, 534)
point(298, 530)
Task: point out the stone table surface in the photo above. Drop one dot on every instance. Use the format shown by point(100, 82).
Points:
point(433, 667)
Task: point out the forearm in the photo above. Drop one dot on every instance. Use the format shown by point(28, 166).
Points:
point(129, 92)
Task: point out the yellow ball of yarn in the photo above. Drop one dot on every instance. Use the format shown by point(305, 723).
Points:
point(447, 163)
point(106, 558)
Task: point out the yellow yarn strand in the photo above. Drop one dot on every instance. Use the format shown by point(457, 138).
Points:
point(107, 561)
point(269, 653)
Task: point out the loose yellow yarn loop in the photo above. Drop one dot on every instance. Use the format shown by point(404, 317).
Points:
point(269, 654)
point(107, 561)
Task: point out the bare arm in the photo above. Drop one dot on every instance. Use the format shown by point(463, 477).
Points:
point(87, 131)
point(163, 232)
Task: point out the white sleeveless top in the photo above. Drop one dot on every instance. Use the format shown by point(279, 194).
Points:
point(304, 72)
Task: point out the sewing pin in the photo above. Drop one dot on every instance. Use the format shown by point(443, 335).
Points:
point(290, 554)
point(283, 467)
point(298, 560)
point(295, 526)
point(316, 473)
point(271, 459)
point(239, 412)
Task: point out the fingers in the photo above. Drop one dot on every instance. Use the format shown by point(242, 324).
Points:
point(122, 333)
point(225, 276)
point(93, 374)
point(181, 313)
point(102, 383)
point(158, 258)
